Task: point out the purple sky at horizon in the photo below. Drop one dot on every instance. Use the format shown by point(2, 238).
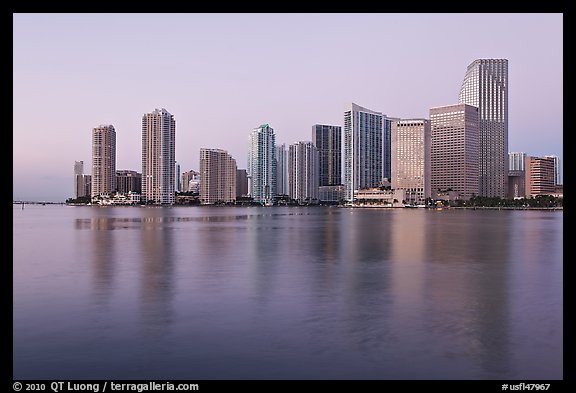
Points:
point(221, 75)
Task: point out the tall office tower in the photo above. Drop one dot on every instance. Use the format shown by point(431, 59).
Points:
point(303, 171)
point(218, 172)
point(557, 170)
point(486, 86)
point(539, 176)
point(328, 141)
point(262, 165)
point(103, 160)
point(186, 177)
point(387, 146)
point(454, 147)
point(362, 149)
point(128, 181)
point(87, 182)
point(79, 184)
point(516, 161)
point(158, 157)
point(177, 184)
point(281, 170)
point(241, 183)
point(411, 158)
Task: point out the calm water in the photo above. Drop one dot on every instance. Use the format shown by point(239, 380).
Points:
point(286, 293)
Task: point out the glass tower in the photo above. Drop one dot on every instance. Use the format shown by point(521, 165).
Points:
point(362, 149)
point(262, 165)
point(485, 86)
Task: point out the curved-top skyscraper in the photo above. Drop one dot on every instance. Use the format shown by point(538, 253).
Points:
point(486, 87)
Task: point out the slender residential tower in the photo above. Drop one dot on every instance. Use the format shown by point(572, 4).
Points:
point(158, 157)
point(281, 170)
point(328, 141)
point(303, 174)
point(362, 149)
point(103, 160)
point(485, 86)
point(262, 164)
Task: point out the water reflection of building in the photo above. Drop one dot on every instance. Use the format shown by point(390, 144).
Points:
point(156, 269)
point(465, 290)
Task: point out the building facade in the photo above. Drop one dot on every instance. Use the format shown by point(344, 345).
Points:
point(557, 170)
point(103, 160)
point(485, 86)
point(262, 164)
point(517, 161)
point(189, 176)
point(281, 170)
point(158, 157)
point(516, 184)
point(128, 181)
point(303, 172)
point(454, 149)
point(79, 184)
point(411, 170)
point(218, 173)
point(241, 183)
point(334, 194)
point(362, 149)
point(539, 176)
point(387, 146)
point(328, 141)
point(177, 184)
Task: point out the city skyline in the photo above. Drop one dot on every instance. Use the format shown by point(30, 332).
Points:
point(218, 82)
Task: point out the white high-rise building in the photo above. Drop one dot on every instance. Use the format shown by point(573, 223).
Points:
point(158, 157)
point(281, 170)
point(262, 164)
point(362, 149)
point(485, 86)
point(411, 148)
point(103, 160)
point(303, 172)
point(516, 161)
point(557, 170)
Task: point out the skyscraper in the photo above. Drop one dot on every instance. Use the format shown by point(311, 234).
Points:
point(79, 184)
point(262, 164)
point(158, 157)
point(411, 158)
point(517, 161)
point(485, 86)
point(103, 160)
point(362, 149)
point(455, 143)
point(557, 170)
point(303, 171)
point(218, 173)
point(328, 141)
point(281, 170)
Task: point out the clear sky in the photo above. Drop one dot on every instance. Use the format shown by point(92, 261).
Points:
point(221, 75)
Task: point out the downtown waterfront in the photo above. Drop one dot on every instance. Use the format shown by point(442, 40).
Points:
point(286, 293)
